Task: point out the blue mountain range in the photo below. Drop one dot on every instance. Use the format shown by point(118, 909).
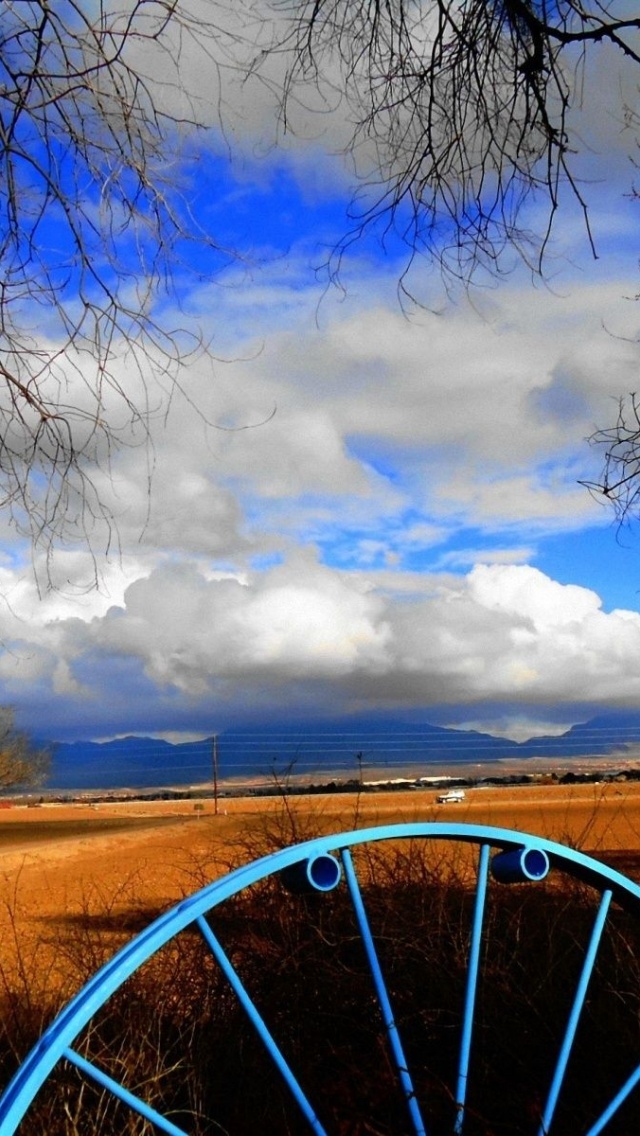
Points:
point(320, 748)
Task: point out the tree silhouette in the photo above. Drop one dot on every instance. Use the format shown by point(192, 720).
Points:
point(619, 480)
point(21, 762)
point(93, 220)
point(460, 111)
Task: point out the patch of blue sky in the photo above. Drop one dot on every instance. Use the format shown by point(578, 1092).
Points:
point(267, 208)
point(263, 211)
point(264, 561)
point(408, 541)
point(278, 245)
point(604, 558)
point(15, 554)
point(402, 462)
point(358, 548)
point(383, 456)
point(601, 558)
point(311, 519)
point(87, 251)
point(460, 548)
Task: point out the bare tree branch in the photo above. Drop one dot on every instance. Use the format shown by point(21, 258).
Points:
point(93, 221)
point(460, 112)
point(21, 762)
point(460, 115)
point(619, 482)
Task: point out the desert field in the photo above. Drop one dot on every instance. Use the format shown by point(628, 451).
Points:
point(112, 867)
point(78, 880)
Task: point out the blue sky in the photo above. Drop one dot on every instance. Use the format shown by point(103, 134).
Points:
point(402, 526)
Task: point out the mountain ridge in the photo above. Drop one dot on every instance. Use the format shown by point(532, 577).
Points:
point(319, 746)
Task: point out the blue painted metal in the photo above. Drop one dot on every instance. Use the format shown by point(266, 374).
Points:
point(472, 985)
point(130, 1099)
point(259, 1025)
point(318, 873)
point(617, 1101)
point(576, 1010)
point(520, 865)
point(56, 1043)
point(383, 997)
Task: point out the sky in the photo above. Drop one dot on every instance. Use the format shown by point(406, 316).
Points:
point(353, 504)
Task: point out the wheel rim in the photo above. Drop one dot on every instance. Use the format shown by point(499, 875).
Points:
point(318, 865)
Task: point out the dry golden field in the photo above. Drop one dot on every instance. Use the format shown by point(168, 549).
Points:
point(114, 866)
point(76, 881)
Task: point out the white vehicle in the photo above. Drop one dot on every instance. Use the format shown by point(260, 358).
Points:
point(451, 797)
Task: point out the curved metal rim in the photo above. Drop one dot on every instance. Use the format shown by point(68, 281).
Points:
point(52, 1045)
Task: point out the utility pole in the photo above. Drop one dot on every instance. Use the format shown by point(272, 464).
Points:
point(214, 757)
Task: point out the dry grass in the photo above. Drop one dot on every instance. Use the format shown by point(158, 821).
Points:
point(63, 864)
point(70, 896)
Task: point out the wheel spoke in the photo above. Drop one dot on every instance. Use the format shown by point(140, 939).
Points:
point(472, 985)
point(617, 1101)
point(383, 996)
point(519, 857)
point(259, 1025)
point(574, 1016)
point(117, 1090)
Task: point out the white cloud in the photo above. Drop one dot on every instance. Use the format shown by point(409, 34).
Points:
point(388, 435)
point(301, 633)
point(527, 593)
point(297, 620)
point(474, 418)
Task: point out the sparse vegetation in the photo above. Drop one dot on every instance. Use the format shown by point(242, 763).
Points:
point(21, 762)
point(176, 1034)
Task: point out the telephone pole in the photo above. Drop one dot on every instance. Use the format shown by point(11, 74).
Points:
point(214, 758)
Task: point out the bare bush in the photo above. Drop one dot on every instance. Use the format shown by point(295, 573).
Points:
point(22, 762)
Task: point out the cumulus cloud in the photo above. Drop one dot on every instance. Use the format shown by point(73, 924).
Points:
point(305, 634)
point(273, 566)
point(297, 620)
point(467, 417)
point(270, 524)
point(389, 434)
point(368, 424)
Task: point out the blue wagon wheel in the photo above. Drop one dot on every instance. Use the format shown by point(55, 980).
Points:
point(389, 978)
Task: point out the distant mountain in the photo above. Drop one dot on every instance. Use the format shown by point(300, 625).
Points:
point(599, 737)
point(129, 763)
point(326, 747)
point(321, 746)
